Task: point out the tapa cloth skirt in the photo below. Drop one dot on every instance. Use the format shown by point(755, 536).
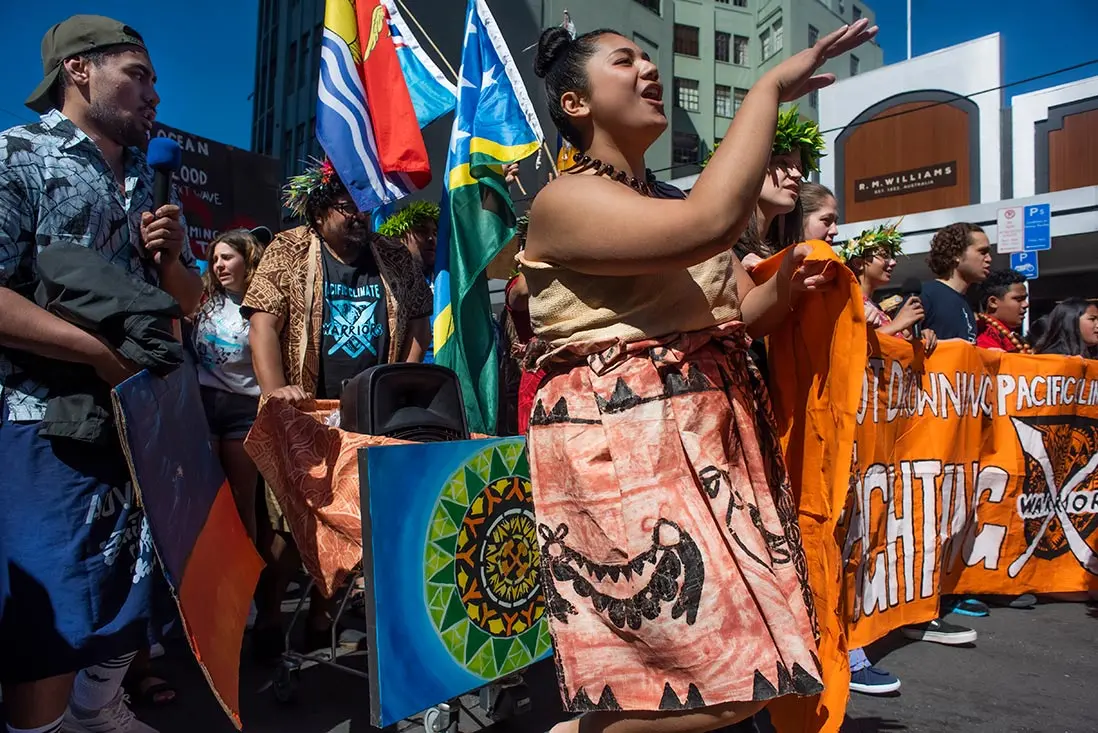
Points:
point(671, 561)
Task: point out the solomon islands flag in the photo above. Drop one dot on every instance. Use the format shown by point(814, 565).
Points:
point(495, 124)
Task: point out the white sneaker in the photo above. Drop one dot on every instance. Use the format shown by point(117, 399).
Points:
point(115, 717)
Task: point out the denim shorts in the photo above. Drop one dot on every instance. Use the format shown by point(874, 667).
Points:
point(77, 583)
point(229, 415)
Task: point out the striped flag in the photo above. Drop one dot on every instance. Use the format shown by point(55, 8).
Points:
point(366, 121)
point(495, 124)
point(207, 557)
point(433, 95)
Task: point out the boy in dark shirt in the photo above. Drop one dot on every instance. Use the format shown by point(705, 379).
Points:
point(960, 257)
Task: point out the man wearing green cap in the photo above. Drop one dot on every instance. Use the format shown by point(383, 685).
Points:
point(77, 596)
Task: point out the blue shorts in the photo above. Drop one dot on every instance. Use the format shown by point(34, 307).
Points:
point(78, 579)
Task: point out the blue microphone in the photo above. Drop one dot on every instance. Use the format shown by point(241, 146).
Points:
point(165, 157)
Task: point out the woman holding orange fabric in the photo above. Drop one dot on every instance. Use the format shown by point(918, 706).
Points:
point(675, 581)
point(821, 221)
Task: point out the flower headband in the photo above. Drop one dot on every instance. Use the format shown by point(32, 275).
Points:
point(299, 189)
point(793, 133)
point(885, 238)
point(413, 215)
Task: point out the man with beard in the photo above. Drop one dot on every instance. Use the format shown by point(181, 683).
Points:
point(76, 544)
point(960, 257)
point(330, 299)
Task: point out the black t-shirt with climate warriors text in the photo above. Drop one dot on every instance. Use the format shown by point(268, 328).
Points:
point(355, 332)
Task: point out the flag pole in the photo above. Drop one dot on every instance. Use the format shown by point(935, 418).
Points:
point(908, 29)
point(551, 157)
point(404, 9)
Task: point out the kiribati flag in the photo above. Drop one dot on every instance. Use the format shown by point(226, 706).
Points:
point(207, 557)
point(365, 119)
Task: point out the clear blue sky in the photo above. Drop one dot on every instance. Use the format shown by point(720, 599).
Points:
point(204, 50)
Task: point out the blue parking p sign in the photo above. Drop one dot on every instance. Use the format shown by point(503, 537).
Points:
point(1025, 263)
point(1037, 230)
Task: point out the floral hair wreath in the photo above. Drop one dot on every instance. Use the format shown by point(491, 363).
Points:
point(885, 238)
point(301, 188)
point(410, 217)
point(792, 134)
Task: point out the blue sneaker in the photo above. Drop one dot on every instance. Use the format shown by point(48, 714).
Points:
point(965, 607)
point(873, 681)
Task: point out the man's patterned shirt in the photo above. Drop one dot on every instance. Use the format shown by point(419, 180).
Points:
point(55, 185)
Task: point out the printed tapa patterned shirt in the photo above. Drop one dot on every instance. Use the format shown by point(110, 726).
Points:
point(55, 185)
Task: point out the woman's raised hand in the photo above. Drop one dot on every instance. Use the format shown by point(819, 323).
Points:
point(796, 76)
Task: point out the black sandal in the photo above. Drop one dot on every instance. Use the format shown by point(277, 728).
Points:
point(148, 690)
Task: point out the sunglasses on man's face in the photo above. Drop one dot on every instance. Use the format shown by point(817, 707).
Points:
point(347, 208)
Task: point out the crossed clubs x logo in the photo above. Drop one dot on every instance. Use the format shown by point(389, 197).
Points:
point(1036, 445)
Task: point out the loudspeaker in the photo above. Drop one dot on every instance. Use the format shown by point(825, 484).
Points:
point(417, 402)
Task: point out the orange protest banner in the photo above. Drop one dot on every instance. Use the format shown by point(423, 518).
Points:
point(967, 472)
point(973, 472)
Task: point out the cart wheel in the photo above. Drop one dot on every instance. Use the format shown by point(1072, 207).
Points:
point(286, 682)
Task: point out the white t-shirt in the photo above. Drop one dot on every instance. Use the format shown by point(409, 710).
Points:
point(221, 343)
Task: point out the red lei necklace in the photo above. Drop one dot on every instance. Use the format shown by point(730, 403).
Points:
point(1020, 346)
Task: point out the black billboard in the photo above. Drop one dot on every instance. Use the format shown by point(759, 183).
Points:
point(222, 187)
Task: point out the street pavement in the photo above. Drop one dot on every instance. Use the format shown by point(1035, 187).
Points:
point(1030, 671)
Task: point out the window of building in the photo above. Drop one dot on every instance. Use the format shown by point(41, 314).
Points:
point(722, 43)
point(737, 100)
point(684, 148)
point(842, 7)
point(686, 40)
point(653, 5)
point(288, 150)
point(779, 35)
point(272, 74)
point(269, 143)
point(814, 99)
point(740, 3)
point(291, 69)
point(857, 13)
point(304, 66)
point(854, 65)
point(739, 50)
point(299, 147)
point(813, 35)
point(764, 40)
point(686, 94)
point(318, 45)
point(723, 101)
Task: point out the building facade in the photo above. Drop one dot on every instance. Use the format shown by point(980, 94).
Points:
point(723, 46)
point(932, 141)
point(710, 52)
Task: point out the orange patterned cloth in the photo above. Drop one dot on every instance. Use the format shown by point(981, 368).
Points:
point(671, 559)
point(313, 471)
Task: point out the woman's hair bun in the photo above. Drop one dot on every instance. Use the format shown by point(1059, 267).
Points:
point(553, 44)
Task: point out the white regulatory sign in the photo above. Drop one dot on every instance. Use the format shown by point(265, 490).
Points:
point(1012, 230)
